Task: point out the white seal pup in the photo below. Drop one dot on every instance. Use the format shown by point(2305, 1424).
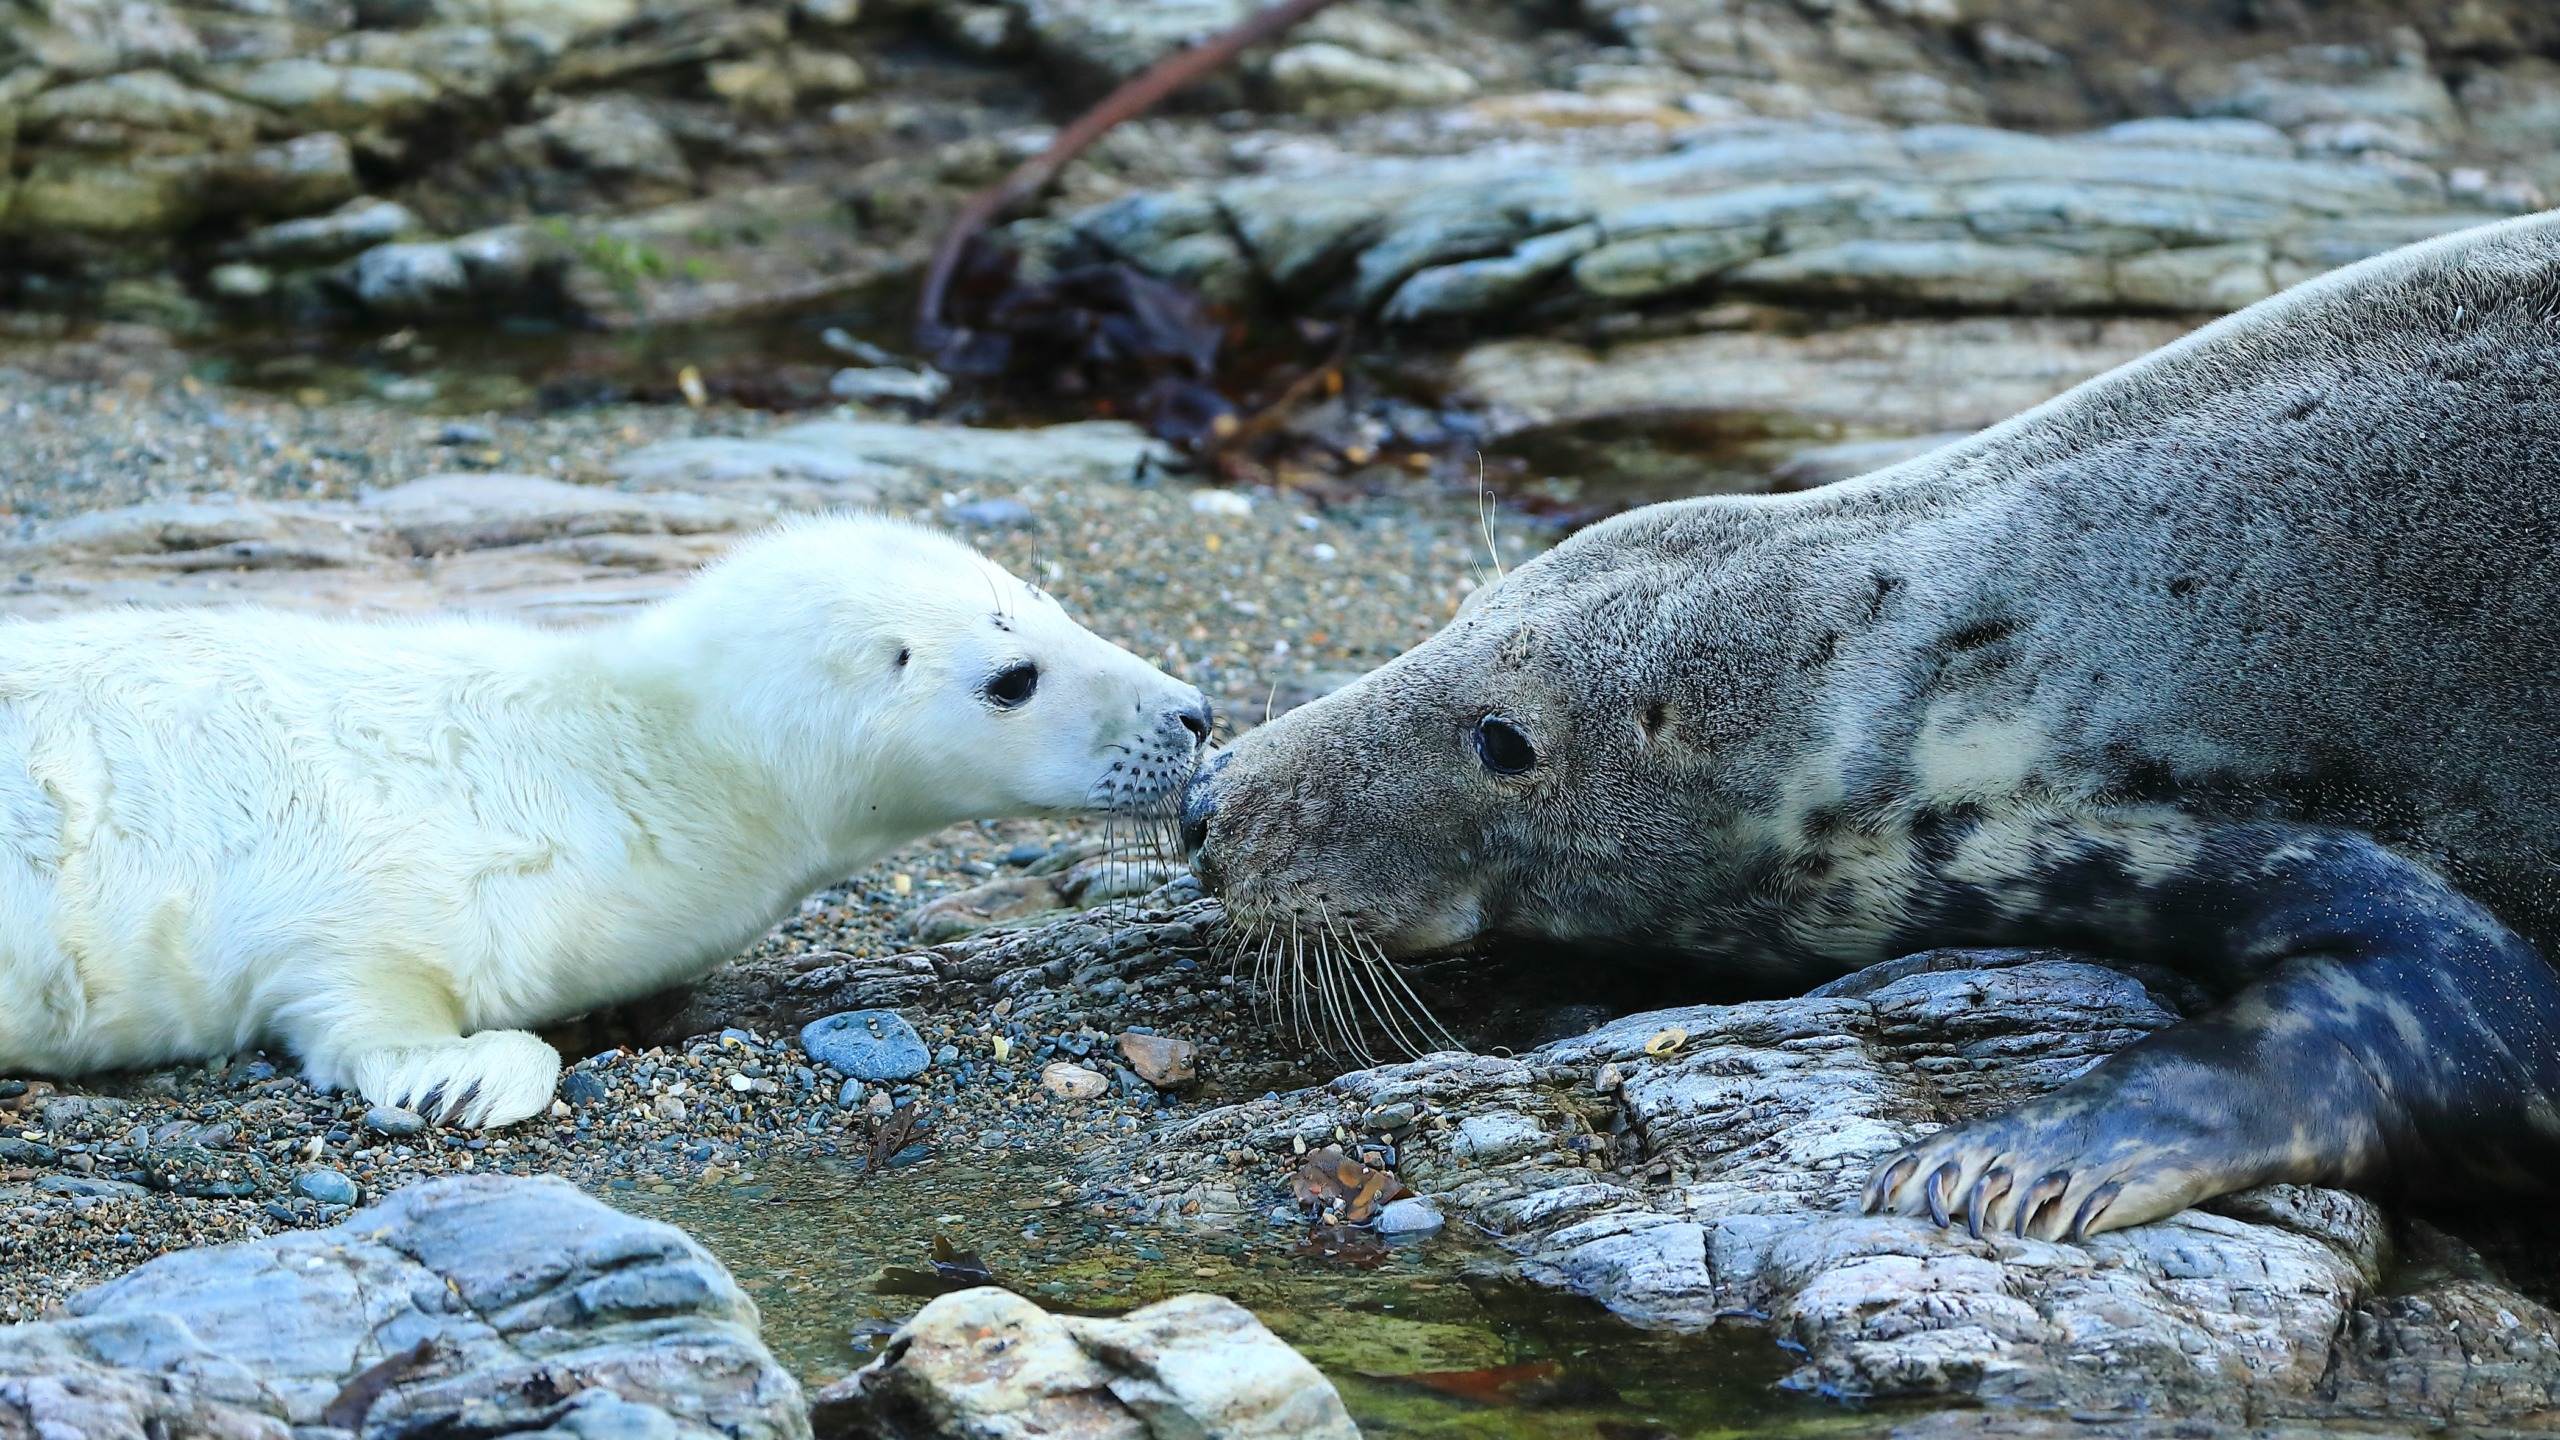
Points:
point(394, 847)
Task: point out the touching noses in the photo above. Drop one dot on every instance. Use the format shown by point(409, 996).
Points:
point(1200, 804)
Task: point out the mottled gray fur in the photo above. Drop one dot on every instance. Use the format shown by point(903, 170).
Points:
point(2300, 568)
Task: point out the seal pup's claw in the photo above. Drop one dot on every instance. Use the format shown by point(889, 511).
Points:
point(494, 1078)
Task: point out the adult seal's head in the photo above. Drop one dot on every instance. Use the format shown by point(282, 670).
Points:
point(2238, 659)
point(1567, 761)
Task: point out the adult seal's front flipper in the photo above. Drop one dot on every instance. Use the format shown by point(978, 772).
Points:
point(2386, 1033)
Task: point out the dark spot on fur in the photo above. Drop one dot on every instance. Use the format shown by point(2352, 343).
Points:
point(2184, 586)
point(1881, 596)
point(1656, 715)
point(1979, 635)
point(2305, 408)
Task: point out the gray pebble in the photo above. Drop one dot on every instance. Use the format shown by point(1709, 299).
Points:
point(872, 1045)
point(326, 1186)
point(392, 1120)
point(1410, 1218)
point(580, 1087)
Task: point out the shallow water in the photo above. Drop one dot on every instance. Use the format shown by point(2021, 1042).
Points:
point(810, 1241)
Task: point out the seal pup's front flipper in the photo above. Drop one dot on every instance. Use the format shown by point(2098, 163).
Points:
point(396, 1039)
point(2387, 1032)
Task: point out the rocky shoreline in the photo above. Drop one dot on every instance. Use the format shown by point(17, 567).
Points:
point(1588, 254)
point(1081, 1046)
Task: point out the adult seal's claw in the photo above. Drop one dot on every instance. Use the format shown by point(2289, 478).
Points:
point(2236, 660)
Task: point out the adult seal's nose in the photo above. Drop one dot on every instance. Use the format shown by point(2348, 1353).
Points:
point(1200, 804)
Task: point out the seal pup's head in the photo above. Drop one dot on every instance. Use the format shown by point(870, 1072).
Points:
point(1561, 764)
point(890, 663)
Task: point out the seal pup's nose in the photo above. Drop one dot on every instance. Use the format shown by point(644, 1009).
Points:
point(1198, 719)
point(1200, 804)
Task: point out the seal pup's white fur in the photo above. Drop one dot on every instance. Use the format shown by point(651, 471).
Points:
point(393, 846)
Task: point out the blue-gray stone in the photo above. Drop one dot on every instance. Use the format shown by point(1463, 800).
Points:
point(991, 514)
point(873, 1045)
point(1410, 1219)
point(90, 1187)
point(582, 1087)
point(947, 1055)
point(326, 1186)
point(392, 1120)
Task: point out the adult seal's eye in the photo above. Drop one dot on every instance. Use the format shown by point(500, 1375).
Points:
point(1012, 687)
point(1503, 748)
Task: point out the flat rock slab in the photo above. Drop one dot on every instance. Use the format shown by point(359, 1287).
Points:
point(1719, 1180)
point(1898, 377)
point(2164, 217)
point(474, 1305)
point(529, 545)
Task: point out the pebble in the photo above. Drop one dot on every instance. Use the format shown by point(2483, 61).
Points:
point(873, 1045)
point(991, 514)
point(392, 1120)
point(1410, 1218)
point(1388, 1117)
point(1071, 1082)
point(326, 1186)
point(581, 1087)
point(1161, 1060)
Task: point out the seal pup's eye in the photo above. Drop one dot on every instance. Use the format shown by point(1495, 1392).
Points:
point(1012, 687)
point(1503, 748)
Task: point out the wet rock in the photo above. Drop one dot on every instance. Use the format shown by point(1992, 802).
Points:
point(519, 1304)
point(986, 1362)
point(872, 1045)
point(1161, 1060)
point(1722, 1177)
point(412, 280)
point(1410, 1219)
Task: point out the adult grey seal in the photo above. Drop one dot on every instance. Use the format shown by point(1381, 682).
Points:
point(2241, 658)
